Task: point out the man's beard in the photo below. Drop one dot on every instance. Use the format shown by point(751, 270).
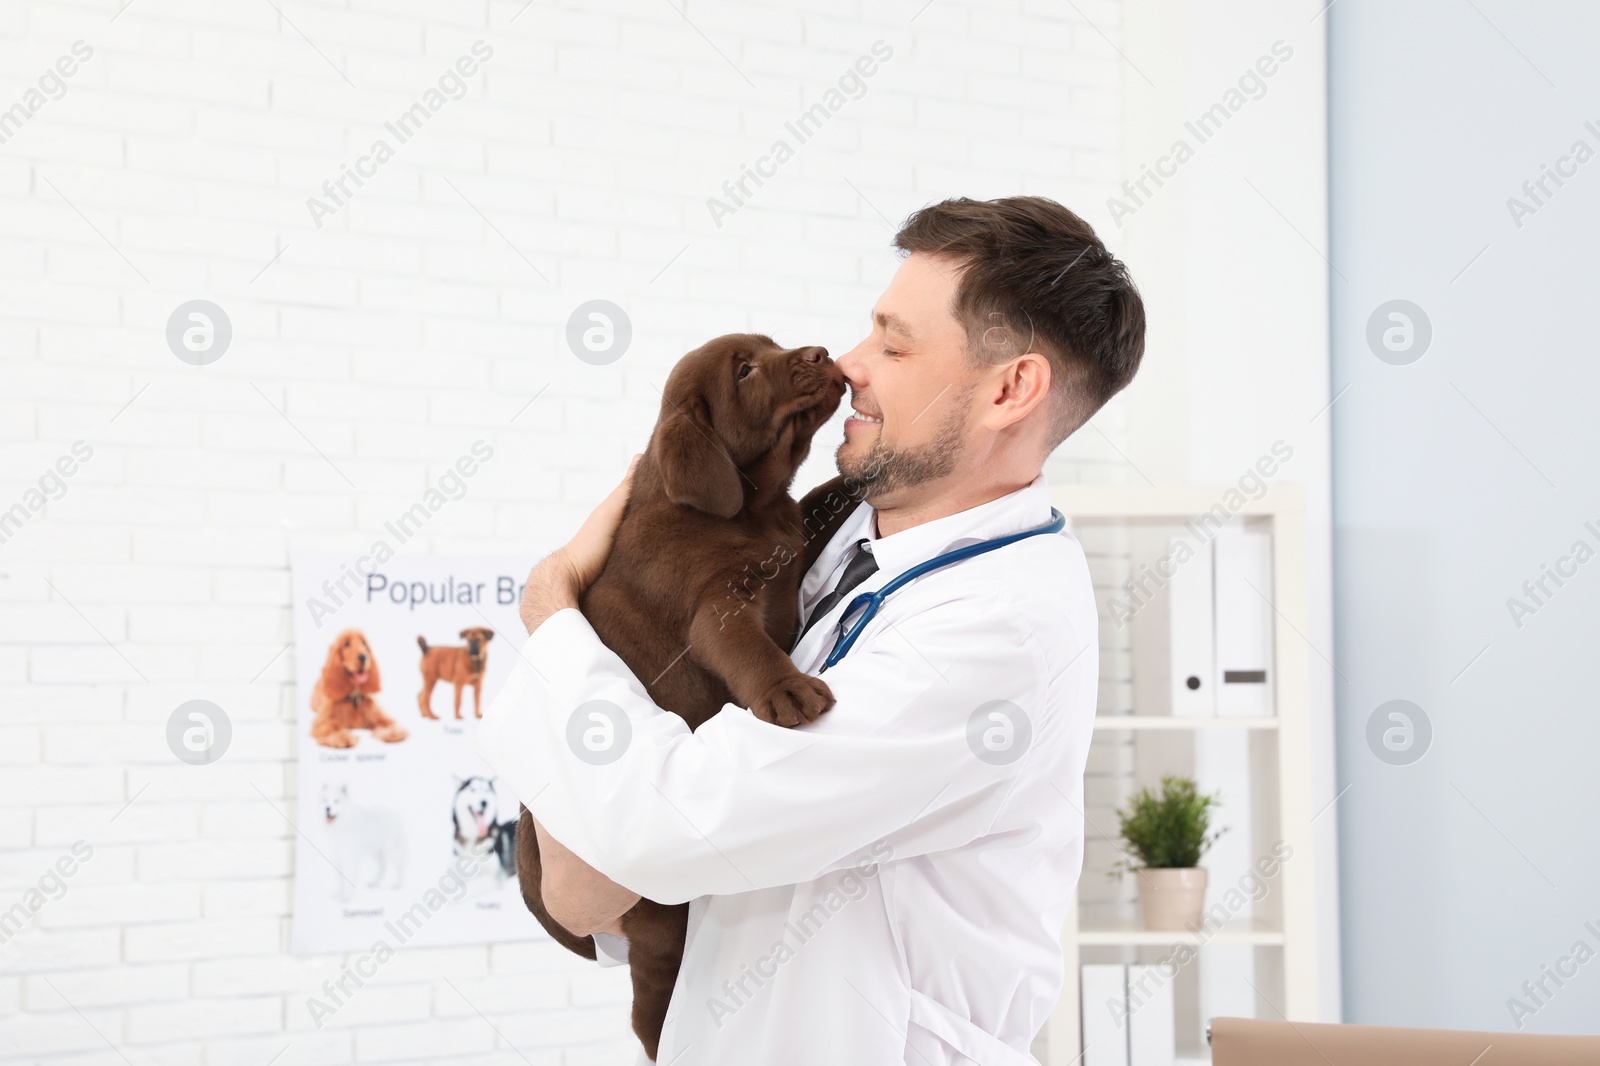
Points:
point(885, 469)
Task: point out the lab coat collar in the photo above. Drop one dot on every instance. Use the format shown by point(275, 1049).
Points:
point(1026, 508)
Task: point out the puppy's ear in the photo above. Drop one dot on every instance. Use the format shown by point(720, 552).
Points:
point(464, 634)
point(694, 467)
point(488, 635)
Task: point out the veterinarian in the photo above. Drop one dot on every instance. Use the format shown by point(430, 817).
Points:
point(888, 883)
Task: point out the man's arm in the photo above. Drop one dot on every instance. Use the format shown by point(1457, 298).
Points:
point(584, 900)
point(740, 804)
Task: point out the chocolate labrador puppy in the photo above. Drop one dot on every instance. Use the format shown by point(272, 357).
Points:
point(699, 595)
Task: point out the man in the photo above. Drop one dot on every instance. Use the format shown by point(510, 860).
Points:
point(888, 883)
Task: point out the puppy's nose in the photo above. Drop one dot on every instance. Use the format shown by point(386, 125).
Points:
point(814, 354)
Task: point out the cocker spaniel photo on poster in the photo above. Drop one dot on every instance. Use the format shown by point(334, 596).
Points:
point(343, 697)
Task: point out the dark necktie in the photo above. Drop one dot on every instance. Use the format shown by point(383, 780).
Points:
point(859, 569)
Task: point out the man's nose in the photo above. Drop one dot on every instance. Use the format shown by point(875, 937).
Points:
point(850, 364)
point(816, 353)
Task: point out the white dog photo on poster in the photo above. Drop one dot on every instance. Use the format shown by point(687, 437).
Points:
point(368, 843)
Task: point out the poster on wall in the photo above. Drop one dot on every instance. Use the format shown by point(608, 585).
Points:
point(405, 837)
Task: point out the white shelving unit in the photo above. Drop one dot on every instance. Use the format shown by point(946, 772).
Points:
point(1282, 508)
point(1130, 721)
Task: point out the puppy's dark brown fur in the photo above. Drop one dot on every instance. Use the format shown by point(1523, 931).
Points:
point(708, 556)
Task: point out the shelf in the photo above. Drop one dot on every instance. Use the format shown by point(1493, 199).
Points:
point(1168, 721)
point(1282, 746)
point(1134, 934)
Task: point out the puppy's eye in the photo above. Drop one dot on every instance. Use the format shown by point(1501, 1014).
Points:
point(744, 371)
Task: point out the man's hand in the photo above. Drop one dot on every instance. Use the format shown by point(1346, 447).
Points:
point(581, 898)
point(564, 574)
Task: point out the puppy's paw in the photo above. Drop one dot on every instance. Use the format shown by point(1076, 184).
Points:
point(390, 734)
point(795, 699)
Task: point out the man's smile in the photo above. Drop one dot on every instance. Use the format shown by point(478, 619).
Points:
point(861, 418)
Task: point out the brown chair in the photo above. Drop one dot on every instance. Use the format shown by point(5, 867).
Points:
point(1249, 1042)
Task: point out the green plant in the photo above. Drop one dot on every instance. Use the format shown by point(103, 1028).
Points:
point(1170, 830)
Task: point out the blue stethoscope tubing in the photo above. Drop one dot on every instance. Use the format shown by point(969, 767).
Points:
point(842, 641)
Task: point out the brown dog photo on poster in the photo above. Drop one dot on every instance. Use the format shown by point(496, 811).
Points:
point(700, 594)
point(460, 666)
point(343, 696)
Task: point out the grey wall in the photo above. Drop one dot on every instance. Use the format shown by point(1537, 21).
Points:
point(1456, 478)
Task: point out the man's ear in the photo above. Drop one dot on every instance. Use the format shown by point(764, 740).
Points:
point(694, 467)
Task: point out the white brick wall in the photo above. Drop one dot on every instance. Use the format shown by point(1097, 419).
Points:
point(416, 320)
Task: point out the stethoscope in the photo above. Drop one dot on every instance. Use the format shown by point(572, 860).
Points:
point(842, 641)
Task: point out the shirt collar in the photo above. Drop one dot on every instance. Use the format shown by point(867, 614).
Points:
point(1026, 508)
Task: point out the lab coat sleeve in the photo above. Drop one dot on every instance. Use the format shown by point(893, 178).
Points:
point(905, 763)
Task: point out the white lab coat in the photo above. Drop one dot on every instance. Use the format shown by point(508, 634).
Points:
point(881, 885)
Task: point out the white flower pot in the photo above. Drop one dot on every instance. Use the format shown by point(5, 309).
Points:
point(1172, 899)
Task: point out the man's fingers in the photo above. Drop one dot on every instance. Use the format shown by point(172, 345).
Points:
point(609, 513)
point(586, 553)
point(619, 495)
point(569, 570)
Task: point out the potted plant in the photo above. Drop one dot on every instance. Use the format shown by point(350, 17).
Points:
point(1168, 834)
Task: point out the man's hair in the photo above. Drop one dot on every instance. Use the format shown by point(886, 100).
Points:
point(1034, 277)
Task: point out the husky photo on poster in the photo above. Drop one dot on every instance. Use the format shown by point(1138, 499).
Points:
point(404, 835)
